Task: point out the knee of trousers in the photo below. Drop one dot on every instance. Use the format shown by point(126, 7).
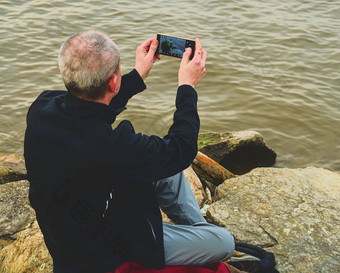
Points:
point(226, 245)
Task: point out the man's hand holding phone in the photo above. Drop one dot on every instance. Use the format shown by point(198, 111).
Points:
point(146, 57)
point(192, 72)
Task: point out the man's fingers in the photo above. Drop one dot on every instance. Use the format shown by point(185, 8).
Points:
point(198, 43)
point(198, 50)
point(153, 47)
point(186, 55)
point(146, 44)
point(204, 57)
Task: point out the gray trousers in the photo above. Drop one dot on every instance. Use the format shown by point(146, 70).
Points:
point(191, 241)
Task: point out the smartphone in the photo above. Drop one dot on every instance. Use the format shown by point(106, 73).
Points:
point(174, 46)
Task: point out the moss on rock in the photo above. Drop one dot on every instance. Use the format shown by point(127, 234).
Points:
point(207, 139)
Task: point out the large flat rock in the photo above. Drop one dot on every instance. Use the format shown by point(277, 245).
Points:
point(295, 213)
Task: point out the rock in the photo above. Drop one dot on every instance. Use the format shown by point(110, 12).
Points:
point(27, 254)
point(210, 170)
point(205, 209)
point(208, 187)
point(12, 168)
point(12, 158)
point(15, 210)
point(238, 152)
point(5, 241)
point(209, 196)
point(165, 218)
point(196, 186)
point(295, 213)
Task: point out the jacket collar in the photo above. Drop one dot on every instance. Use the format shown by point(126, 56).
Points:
point(83, 108)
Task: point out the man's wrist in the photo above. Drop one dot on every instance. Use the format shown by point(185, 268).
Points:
point(143, 76)
point(188, 84)
point(135, 71)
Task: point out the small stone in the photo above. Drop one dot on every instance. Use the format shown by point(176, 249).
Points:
point(12, 168)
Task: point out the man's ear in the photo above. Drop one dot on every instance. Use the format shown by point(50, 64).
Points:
point(112, 84)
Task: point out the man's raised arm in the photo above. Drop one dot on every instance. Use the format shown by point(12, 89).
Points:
point(150, 158)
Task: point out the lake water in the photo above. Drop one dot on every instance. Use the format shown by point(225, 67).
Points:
point(273, 66)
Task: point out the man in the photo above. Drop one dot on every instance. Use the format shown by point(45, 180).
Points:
point(97, 190)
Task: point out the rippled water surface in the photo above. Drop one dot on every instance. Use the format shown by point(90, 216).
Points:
point(273, 66)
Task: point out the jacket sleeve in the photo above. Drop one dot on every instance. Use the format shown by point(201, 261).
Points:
point(150, 158)
point(131, 84)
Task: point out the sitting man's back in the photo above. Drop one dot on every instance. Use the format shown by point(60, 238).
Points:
point(93, 187)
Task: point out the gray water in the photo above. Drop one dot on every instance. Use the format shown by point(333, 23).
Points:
point(273, 66)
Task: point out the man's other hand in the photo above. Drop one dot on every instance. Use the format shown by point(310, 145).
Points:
point(192, 72)
point(145, 57)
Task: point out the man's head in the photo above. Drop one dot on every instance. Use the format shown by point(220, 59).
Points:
point(89, 65)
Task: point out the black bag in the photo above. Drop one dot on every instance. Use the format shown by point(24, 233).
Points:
point(265, 262)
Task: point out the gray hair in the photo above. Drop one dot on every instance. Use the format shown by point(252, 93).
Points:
point(86, 61)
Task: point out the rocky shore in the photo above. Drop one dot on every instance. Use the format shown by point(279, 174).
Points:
point(294, 213)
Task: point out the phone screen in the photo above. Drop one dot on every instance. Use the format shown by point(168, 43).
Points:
point(174, 46)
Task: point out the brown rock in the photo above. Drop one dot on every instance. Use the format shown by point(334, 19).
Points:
point(5, 241)
point(28, 254)
point(12, 168)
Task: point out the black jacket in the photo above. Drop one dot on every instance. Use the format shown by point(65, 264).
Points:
point(91, 185)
